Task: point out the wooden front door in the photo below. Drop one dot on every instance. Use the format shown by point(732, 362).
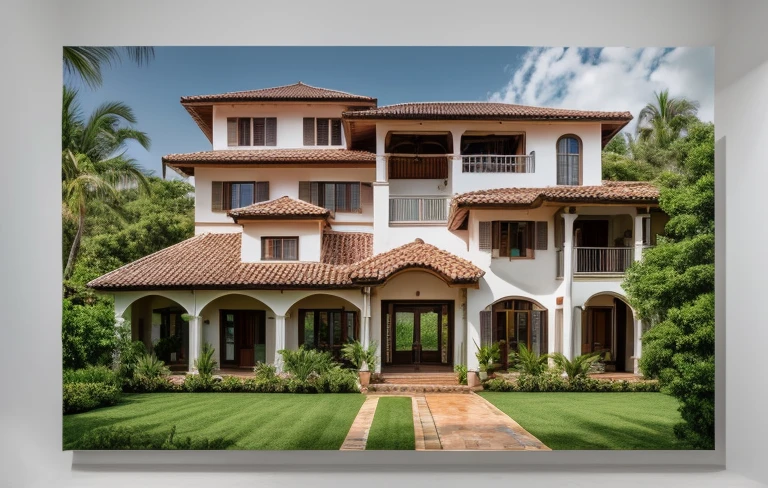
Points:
point(598, 334)
point(418, 334)
point(243, 334)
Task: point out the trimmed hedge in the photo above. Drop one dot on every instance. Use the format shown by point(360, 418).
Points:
point(137, 438)
point(336, 380)
point(91, 374)
point(81, 397)
point(553, 382)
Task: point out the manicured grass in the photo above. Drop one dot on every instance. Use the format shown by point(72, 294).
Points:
point(594, 420)
point(251, 420)
point(392, 426)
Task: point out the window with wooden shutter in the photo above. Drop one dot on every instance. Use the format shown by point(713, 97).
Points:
point(217, 192)
point(329, 197)
point(366, 194)
point(323, 136)
point(309, 131)
point(336, 132)
point(516, 239)
point(262, 191)
point(258, 132)
point(541, 236)
point(486, 328)
point(485, 236)
point(354, 197)
point(243, 132)
point(271, 131)
point(232, 131)
point(305, 191)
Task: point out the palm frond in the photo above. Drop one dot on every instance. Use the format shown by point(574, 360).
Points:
point(87, 61)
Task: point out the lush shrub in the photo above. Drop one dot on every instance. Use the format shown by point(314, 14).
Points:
point(199, 383)
point(358, 355)
point(229, 384)
point(81, 397)
point(88, 334)
point(139, 438)
point(336, 380)
point(147, 384)
point(488, 355)
point(92, 374)
point(462, 370)
point(150, 366)
point(167, 345)
point(264, 371)
point(579, 367)
point(553, 382)
point(302, 362)
point(128, 353)
point(205, 364)
point(529, 362)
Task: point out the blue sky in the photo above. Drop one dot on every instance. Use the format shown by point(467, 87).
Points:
point(599, 79)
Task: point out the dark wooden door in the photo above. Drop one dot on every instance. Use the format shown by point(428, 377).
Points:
point(418, 332)
point(242, 337)
point(594, 233)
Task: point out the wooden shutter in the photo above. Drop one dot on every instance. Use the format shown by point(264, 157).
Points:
point(243, 132)
point(495, 233)
point(262, 191)
point(485, 236)
point(231, 131)
point(354, 197)
point(329, 200)
point(271, 131)
point(366, 194)
point(322, 132)
point(542, 236)
point(314, 194)
point(217, 193)
point(258, 132)
point(309, 131)
point(336, 132)
point(305, 191)
point(486, 328)
point(536, 345)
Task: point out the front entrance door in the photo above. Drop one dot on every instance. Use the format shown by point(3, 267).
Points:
point(243, 338)
point(420, 334)
point(597, 335)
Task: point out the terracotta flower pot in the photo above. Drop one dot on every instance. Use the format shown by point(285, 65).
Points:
point(365, 378)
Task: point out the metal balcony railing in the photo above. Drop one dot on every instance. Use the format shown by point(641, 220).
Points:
point(498, 163)
point(591, 260)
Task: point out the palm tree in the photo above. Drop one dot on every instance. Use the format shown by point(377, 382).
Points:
point(529, 362)
point(580, 365)
point(664, 120)
point(87, 61)
point(94, 165)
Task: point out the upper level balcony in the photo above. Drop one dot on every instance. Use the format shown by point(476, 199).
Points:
point(498, 163)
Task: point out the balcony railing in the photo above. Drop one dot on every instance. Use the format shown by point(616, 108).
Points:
point(591, 260)
point(411, 210)
point(494, 163)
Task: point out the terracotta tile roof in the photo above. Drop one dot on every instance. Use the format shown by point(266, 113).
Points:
point(419, 255)
point(280, 208)
point(616, 192)
point(212, 261)
point(298, 91)
point(344, 248)
point(481, 110)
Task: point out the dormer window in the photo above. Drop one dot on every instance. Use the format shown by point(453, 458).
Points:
point(246, 131)
point(280, 248)
point(322, 132)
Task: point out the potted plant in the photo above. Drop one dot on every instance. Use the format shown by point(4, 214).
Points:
point(363, 359)
point(487, 356)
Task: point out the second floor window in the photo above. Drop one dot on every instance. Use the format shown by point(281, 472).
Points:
point(228, 195)
point(336, 197)
point(246, 131)
point(280, 248)
point(513, 239)
point(568, 161)
point(322, 132)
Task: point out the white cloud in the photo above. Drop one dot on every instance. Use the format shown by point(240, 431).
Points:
point(620, 79)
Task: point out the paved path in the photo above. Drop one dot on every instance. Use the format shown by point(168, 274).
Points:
point(357, 436)
point(469, 422)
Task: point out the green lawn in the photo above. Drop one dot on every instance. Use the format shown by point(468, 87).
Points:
point(594, 420)
point(250, 420)
point(392, 426)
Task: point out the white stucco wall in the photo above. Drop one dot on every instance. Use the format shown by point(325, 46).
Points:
point(308, 232)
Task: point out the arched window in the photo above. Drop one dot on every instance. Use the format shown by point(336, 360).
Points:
point(568, 160)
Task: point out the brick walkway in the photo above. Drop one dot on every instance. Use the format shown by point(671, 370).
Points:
point(357, 437)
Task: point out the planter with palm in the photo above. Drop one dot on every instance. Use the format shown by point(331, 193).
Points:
point(487, 357)
point(363, 359)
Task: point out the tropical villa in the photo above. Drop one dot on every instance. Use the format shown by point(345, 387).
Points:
point(430, 228)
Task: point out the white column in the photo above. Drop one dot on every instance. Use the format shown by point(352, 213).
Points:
point(638, 345)
point(365, 329)
point(568, 266)
point(639, 236)
point(279, 340)
point(380, 217)
point(195, 343)
point(119, 322)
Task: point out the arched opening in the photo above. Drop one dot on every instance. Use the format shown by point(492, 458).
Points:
point(608, 328)
point(569, 152)
point(161, 324)
point(516, 321)
point(236, 326)
point(323, 322)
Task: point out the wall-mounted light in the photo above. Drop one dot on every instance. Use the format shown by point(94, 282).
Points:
point(206, 322)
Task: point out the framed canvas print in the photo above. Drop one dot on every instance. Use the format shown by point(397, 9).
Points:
point(263, 250)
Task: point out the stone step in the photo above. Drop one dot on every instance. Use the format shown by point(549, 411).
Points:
point(394, 389)
point(419, 379)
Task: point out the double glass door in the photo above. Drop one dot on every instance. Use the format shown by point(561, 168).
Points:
point(243, 334)
point(420, 334)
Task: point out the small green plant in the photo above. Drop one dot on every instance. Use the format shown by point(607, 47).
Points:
point(461, 369)
point(302, 362)
point(529, 362)
point(167, 345)
point(265, 372)
point(205, 364)
point(359, 356)
point(149, 366)
point(91, 374)
point(488, 355)
point(577, 368)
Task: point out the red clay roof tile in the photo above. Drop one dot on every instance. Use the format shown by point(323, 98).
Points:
point(283, 207)
point(296, 91)
point(342, 248)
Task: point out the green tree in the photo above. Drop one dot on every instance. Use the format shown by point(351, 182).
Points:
point(666, 119)
point(617, 167)
point(88, 334)
point(673, 288)
point(87, 62)
point(617, 145)
point(94, 163)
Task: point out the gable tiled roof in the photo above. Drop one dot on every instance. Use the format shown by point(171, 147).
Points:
point(295, 92)
point(344, 248)
point(481, 110)
point(610, 192)
point(280, 208)
point(415, 255)
point(212, 261)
